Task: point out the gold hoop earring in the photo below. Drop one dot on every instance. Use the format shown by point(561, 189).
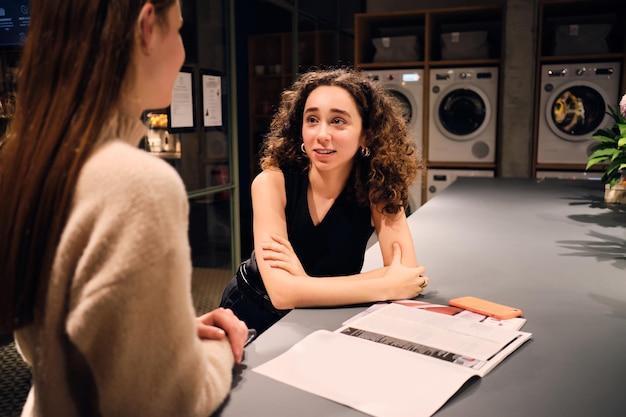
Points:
point(302, 148)
point(365, 152)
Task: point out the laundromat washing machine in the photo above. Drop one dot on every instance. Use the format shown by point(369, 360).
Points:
point(439, 179)
point(407, 86)
point(463, 105)
point(568, 175)
point(572, 107)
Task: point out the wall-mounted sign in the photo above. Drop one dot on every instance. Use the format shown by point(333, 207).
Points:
point(211, 98)
point(181, 111)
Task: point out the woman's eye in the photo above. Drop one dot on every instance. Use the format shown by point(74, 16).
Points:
point(311, 119)
point(337, 121)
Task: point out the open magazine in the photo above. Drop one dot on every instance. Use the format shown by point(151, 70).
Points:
point(395, 360)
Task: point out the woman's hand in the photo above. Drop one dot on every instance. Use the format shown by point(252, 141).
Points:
point(221, 322)
point(408, 281)
point(280, 254)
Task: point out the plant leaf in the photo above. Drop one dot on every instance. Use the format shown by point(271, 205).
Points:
point(608, 152)
point(611, 147)
point(603, 133)
point(593, 161)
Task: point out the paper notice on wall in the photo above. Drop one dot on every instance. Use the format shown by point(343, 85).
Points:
point(181, 109)
point(212, 100)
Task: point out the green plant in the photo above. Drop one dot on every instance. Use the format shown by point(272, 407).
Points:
point(611, 147)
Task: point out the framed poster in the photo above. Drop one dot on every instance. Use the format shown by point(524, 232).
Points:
point(211, 98)
point(181, 111)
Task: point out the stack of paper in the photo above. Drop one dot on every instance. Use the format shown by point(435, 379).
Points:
point(395, 360)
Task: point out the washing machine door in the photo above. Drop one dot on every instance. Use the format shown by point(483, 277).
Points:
point(575, 110)
point(405, 105)
point(462, 113)
point(408, 107)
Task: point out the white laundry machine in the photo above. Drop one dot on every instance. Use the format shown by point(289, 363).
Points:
point(572, 106)
point(569, 175)
point(463, 105)
point(415, 195)
point(407, 85)
point(438, 179)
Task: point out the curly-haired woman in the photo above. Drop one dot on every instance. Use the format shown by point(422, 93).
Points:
point(336, 161)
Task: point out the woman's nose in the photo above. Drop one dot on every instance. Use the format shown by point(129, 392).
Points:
point(323, 134)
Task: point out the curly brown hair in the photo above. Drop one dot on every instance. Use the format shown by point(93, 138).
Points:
point(383, 178)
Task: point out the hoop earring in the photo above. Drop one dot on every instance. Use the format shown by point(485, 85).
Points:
point(365, 152)
point(302, 148)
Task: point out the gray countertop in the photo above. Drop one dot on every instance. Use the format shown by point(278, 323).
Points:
point(551, 248)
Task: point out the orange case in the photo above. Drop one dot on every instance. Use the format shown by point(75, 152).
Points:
point(487, 308)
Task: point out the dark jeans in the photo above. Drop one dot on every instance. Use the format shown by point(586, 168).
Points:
point(255, 316)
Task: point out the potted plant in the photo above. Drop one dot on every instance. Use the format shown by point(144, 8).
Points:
point(611, 150)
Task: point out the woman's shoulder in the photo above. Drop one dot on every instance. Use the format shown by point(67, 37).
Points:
point(269, 184)
point(117, 168)
point(269, 176)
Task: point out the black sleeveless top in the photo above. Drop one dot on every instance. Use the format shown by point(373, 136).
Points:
point(336, 246)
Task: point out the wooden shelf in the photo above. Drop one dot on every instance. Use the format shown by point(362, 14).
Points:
point(556, 15)
point(168, 155)
point(386, 65)
point(580, 58)
point(465, 63)
point(427, 26)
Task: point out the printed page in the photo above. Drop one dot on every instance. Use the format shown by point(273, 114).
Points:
point(515, 323)
point(394, 361)
point(431, 331)
point(370, 377)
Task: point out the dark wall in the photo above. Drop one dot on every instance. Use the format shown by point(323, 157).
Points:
point(189, 31)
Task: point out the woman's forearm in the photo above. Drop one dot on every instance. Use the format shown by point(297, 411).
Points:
point(304, 291)
point(393, 282)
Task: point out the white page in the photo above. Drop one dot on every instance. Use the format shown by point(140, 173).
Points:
point(515, 323)
point(372, 378)
point(382, 379)
point(443, 332)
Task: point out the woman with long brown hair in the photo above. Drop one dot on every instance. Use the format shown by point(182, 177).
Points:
point(94, 280)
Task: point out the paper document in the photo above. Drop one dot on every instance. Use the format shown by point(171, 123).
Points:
point(394, 361)
point(515, 323)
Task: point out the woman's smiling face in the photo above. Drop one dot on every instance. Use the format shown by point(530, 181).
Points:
point(331, 128)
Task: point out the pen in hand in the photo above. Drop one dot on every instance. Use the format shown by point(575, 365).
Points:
point(251, 336)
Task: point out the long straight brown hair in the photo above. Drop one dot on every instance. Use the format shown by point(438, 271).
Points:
point(70, 80)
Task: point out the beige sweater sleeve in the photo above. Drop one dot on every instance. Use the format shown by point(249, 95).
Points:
point(131, 314)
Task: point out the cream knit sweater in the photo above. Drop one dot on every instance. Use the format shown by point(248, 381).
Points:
point(119, 313)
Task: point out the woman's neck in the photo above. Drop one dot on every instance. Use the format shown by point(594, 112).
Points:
point(328, 184)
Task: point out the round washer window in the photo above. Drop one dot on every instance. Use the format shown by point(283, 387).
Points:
point(578, 110)
point(405, 104)
point(462, 112)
